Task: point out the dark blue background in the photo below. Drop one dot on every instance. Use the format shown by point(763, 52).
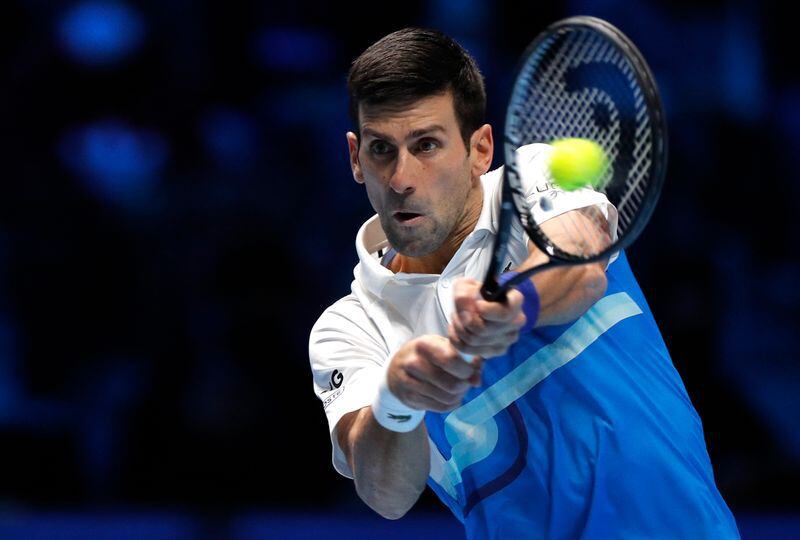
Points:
point(177, 209)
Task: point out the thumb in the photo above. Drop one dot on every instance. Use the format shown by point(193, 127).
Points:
point(466, 294)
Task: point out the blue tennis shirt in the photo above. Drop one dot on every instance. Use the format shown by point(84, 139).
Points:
point(581, 431)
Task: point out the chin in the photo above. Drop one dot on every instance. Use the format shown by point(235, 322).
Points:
point(416, 242)
point(414, 251)
point(413, 247)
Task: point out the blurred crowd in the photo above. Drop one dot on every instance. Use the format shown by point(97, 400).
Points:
point(177, 209)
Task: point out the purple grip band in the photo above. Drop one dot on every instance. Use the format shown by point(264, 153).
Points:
point(530, 299)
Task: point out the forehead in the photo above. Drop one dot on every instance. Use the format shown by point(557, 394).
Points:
point(398, 121)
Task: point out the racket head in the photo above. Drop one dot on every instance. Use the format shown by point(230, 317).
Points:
point(582, 77)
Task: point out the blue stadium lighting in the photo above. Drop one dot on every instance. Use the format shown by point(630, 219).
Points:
point(100, 33)
point(116, 161)
point(294, 49)
point(231, 137)
point(472, 15)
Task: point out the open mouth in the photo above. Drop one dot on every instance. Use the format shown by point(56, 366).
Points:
point(405, 217)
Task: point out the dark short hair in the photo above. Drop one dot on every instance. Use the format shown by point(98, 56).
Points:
point(413, 63)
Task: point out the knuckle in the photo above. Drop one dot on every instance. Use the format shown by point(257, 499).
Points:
point(455, 403)
point(469, 349)
point(448, 356)
point(412, 363)
point(476, 326)
point(438, 407)
point(512, 337)
point(452, 386)
point(417, 403)
point(402, 392)
point(451, 406)
point(419, 347)
point(467, 339)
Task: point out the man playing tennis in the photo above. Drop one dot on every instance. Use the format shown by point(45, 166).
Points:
point(576, 425)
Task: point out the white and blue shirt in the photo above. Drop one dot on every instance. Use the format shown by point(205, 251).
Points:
point(580, 431)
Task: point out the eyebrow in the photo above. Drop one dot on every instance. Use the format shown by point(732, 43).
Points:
point(413, 135)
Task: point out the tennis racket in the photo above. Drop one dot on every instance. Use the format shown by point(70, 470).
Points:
point(583, 78)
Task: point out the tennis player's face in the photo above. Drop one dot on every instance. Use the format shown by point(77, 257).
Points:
point(420, 179)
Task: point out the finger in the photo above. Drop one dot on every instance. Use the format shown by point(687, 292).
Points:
point(458, 342)
point(444, 355)
point(459, 330)
point(487, 351)
point(505, 311)
point(520, 321)
point(422, 395)
point(491, 350)
point(476, 379)
point(423, 403)
point(472, 324)
point(465, 294)
point(476, 362)
point(485, 334)
point(430, 373)
point(467, 322)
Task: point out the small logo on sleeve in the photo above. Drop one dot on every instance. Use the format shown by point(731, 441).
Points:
point(331, 398)
point(336, 379)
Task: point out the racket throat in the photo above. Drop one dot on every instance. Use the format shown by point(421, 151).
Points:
point(492, 291)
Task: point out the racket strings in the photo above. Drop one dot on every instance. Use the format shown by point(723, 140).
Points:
point(575, 231)
point(577, 84)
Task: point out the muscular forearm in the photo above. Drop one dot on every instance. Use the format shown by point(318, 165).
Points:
point(567, 292)
point(389, 468)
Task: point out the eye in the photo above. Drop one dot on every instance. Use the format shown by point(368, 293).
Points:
point(427, 146)
point(380, 148)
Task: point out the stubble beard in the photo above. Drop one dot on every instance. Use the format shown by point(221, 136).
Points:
point(416, 242)
point(424, 240)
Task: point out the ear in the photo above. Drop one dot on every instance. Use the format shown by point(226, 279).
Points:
point(481, 150)
point(355, 165)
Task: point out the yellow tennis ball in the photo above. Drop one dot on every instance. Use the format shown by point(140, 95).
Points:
point(576, 163)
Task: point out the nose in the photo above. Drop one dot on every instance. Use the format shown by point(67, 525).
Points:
point(403, 179)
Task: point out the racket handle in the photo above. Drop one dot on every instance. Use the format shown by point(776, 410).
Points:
point(530, 303)
point(493, 291)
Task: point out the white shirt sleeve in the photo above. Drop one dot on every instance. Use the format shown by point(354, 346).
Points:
point(533, 165)
point(347, 359)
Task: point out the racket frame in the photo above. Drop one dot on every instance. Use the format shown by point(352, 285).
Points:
point(513, 201)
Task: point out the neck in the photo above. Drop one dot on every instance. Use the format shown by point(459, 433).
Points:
point(435, 262)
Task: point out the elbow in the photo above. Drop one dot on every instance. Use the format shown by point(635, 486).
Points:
point(391, 513)
point(595, 284)
point(586, 291)
point(387, 503)
point(586, 285)
point(389, 472)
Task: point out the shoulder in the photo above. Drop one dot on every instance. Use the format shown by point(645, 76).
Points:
point(346, 314)
point(345, 327)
